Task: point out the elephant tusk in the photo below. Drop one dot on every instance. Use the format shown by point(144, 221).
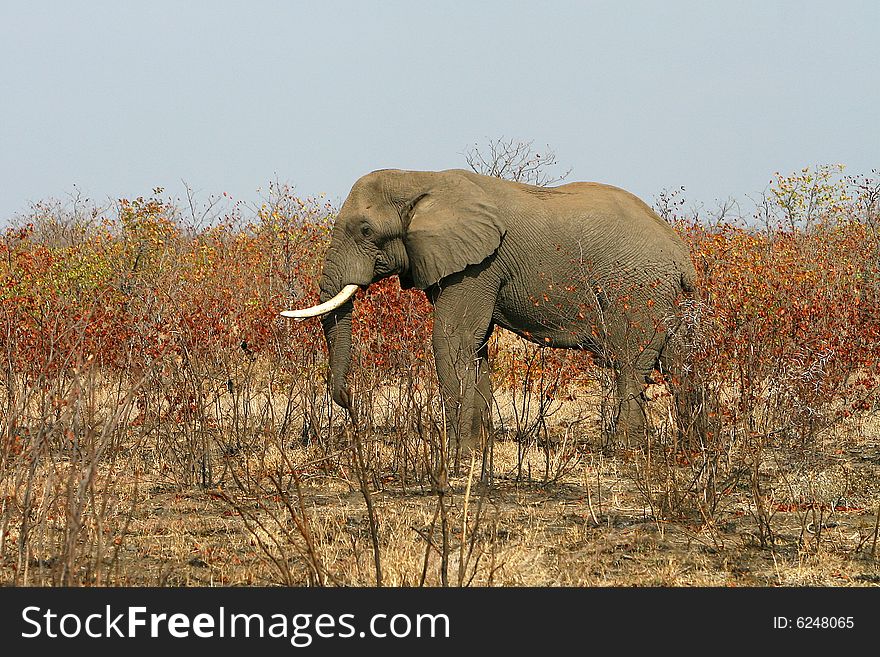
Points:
point(322, 308)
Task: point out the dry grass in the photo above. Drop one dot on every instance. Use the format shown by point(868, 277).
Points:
point(563, 514)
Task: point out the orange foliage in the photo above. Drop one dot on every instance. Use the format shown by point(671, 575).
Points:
point(795, 304)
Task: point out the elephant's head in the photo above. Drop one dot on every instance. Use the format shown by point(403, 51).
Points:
point(422, 226)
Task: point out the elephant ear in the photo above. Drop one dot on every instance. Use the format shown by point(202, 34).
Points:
point(449, 229)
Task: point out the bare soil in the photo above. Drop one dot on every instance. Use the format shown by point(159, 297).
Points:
point(567, 512)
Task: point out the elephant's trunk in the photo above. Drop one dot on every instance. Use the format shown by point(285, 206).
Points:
point(337, 332)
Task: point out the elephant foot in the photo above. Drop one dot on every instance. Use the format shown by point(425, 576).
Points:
point(630, 420)
point(468, 449)
point(628, 430)
point(620, 439)
point(462, 453)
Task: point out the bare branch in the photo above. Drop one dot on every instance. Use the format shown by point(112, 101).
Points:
point(515, 160)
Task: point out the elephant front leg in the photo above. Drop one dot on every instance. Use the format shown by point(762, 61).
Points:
point(461, 354)
point(463, 374)
point(481, 421)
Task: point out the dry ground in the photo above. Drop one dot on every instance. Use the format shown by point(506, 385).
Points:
point(573, 515)
point(592, 528)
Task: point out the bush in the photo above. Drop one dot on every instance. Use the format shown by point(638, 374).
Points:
point(137, 341)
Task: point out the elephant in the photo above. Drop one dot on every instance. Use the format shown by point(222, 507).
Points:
point(583, 265)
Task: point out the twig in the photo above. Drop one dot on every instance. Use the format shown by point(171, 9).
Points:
point(464, 517)
point(876, 530)
point(360, 470)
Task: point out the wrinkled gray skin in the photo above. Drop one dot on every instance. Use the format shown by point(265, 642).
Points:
point(583, 265)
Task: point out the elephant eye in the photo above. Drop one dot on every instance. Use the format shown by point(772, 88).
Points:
point(366, 229)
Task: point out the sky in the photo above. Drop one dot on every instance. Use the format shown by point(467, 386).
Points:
point(109, 100)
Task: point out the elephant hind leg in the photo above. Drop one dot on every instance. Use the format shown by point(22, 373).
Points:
point(629, 417)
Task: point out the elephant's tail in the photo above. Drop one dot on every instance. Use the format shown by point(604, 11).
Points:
point(688, 282)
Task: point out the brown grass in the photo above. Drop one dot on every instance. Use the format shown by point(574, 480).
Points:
point(281, 512)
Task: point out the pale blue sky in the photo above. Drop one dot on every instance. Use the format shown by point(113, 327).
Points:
point(115, 98)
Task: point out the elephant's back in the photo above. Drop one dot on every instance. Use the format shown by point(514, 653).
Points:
point(597, 233)
point(607, 218)
point(602, 202)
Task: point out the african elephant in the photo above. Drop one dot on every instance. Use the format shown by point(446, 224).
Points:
point(583, 265)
